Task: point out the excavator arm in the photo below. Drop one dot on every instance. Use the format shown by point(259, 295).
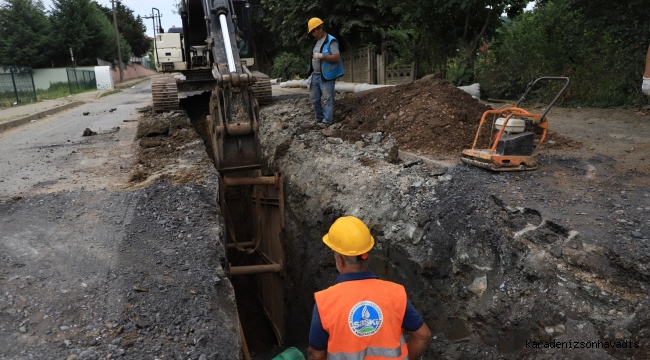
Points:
point(205, 57)
point(233, 121)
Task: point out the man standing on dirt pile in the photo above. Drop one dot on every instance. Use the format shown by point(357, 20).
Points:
point(362, 316)
point(325, 67)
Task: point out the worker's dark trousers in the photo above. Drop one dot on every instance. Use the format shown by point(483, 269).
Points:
point(319, 87)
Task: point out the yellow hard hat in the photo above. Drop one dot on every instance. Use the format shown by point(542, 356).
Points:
point(313, 23)
point(349, 236)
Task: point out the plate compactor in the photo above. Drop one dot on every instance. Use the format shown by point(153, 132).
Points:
point(512, 148)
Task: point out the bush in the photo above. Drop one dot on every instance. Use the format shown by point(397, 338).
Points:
point(552, 40)
point(288, 66)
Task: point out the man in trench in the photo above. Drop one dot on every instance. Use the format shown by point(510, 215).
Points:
point(360, 315)
point(325, 67)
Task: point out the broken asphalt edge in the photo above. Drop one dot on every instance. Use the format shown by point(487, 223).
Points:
point(434, 165)
point(39, 115)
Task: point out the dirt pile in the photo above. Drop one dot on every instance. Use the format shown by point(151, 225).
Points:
point(169, 149)
point(428, 117)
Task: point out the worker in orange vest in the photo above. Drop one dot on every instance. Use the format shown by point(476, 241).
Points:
point(362, 317)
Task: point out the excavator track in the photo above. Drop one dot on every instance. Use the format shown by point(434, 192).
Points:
point(262, 88)
point(164, 92)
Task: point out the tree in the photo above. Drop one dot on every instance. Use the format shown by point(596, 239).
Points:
point(353, 22)
point(602, 58)
point(24, 33)
point(463, 22)
point(130, 27)
point(82, 26)
point(627, 24)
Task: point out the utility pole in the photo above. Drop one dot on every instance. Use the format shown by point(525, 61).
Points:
point(155, 48)
point(117, 40)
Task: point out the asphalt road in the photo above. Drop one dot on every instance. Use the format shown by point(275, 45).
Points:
point(89, 270)
point(51, 152)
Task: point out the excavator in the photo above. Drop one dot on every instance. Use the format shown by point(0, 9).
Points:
point(213, 52)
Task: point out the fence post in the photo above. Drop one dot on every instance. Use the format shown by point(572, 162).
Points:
point(13, 81)
point(75, 78)
point(371, 66)
point(31, 72)
point(352, 58)
point(67, 71)
point(384, 62)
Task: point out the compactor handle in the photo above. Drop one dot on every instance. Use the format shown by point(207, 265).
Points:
point(548, 108)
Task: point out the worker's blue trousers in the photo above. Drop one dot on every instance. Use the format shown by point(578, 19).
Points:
point(319, 87)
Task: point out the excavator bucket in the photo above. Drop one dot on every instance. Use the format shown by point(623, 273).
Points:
point(235, 129)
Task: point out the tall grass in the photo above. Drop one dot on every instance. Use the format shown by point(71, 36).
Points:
point(57, 90)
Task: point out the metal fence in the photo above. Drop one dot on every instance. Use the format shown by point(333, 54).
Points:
point(145, 62)
point(81, 80)
point(16, 85)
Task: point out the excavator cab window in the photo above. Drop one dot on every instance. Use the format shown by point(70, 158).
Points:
point(243, 29)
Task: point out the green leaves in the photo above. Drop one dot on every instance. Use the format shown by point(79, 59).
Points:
point(84, 27)
point(559, 38)
point(130, 27)
point(29, 37)
point(24, 33)
point(287, 66)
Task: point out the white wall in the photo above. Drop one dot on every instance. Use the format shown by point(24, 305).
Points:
point(43, 77)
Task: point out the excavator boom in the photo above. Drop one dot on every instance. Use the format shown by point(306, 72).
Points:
point(207, 55)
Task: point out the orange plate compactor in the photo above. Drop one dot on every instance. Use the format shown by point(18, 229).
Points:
point(512, 148)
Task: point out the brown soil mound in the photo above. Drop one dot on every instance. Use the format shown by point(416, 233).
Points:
point(427, 116)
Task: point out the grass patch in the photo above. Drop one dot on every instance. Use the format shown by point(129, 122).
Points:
point(57, 90)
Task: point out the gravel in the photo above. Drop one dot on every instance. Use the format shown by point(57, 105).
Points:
point(491, 260)
point(102, 274)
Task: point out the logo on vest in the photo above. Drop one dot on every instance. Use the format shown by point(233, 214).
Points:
point(365, 318)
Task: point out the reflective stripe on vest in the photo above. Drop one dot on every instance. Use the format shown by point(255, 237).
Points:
point(363, 319)
point(394, 353)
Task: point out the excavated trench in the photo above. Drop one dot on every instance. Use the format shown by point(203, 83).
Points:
point(488, 276)
point(260, 337)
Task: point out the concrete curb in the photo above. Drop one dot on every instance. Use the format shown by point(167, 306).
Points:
point(39, 115)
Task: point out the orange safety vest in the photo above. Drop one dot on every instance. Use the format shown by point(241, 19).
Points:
point(363, 319)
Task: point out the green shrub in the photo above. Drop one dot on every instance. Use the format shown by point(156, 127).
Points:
point(552, 40)
point(288, 66)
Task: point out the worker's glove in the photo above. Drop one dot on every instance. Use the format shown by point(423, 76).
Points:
point(645, 86)
point(317, 56)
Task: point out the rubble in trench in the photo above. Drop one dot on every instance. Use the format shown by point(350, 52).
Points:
point(171, 150)
point(486, 274)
